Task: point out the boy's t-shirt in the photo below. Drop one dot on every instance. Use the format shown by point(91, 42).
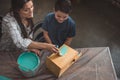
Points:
point(58, 32)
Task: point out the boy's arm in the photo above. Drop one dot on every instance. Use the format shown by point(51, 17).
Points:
point(68, 41)
point(47, 38)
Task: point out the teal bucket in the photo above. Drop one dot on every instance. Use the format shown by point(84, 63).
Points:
point(4, 78)
point(29, 63)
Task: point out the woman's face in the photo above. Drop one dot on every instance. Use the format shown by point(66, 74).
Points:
point(60, 16)
point(27, 10)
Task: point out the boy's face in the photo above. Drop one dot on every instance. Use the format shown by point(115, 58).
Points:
point(61, 16)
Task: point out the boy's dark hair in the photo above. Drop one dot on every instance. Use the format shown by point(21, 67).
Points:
point(63, 6)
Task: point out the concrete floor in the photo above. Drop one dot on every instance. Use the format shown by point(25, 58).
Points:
point(98, 24)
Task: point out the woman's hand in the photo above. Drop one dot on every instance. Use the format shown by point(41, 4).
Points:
point(52, 48)
point(35, 51)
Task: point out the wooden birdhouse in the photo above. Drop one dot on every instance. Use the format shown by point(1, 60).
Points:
point(59, 63)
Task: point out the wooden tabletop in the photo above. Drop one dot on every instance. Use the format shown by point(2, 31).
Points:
point(95, 64)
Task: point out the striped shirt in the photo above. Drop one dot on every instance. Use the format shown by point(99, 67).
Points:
point(12, 34)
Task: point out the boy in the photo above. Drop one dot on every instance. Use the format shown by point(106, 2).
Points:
point(58, 26)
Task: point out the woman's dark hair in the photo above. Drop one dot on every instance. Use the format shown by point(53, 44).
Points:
point(63, 6)
point(16, 5)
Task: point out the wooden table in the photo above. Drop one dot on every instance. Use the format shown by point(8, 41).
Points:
point(95, 64)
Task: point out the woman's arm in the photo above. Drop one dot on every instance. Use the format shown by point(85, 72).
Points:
point(40, 45)
point(24, 43)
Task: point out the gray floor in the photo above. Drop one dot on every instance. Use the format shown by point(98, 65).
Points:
point(98, 24)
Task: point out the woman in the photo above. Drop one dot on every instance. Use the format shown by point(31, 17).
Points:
point(17, 29)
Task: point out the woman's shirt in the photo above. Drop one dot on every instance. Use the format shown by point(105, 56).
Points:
point(12, 38)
